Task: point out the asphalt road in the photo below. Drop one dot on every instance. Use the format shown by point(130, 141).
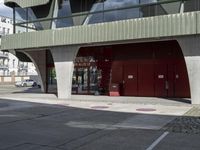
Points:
point(9, 89)
point(34, 126)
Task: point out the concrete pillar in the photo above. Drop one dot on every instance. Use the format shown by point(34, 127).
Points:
point(193, 67)
point(39, 60)
point(64, 64)
point(190, 46)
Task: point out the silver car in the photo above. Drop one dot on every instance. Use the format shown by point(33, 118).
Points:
point(26, 83)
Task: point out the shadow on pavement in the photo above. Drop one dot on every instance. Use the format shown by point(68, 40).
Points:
point(25, 125)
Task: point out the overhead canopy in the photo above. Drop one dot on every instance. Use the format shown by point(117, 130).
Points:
point(25, 3)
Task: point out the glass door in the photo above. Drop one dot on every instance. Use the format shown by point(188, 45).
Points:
point(80, 81)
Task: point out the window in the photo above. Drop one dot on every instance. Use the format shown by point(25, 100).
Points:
point(4, 30)
point(13, 63)
point(8, 31)
point(3, 19)
point(63, 10)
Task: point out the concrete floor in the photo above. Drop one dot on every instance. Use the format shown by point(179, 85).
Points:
point(41, 122)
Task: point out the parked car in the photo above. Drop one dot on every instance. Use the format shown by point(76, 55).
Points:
point(26, 83)
point(39, 85)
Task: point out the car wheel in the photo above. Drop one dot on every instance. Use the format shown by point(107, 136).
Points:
point(34, 84)
point(24, 85)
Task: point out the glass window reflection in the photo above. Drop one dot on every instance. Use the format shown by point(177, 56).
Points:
point(82, 12)
point(120, 14)
point(97, 17)
point(31, 17)
point(20, 14)
point(64, 10)
point(192, 5)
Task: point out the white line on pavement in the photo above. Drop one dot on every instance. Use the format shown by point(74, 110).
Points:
point(157, 141)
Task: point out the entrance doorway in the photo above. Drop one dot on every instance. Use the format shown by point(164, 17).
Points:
point(86, 76)
point(164, 80)
point(130, 81)
point(80, 83)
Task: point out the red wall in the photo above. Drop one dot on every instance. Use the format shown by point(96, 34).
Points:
point(158, 69)
point(142, 69)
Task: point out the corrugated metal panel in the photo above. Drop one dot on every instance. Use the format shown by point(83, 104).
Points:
point(26, 3)
point(134, 29)
point(198, 22)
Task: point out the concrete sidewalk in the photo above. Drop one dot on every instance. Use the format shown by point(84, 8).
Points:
point(120, 99)
point(142, 105)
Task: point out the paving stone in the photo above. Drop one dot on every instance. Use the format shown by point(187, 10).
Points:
point(188, 123)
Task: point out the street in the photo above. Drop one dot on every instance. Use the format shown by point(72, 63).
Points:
point(28, 125)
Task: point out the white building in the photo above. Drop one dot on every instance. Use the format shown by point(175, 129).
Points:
point(6, 26)
point(10, 64)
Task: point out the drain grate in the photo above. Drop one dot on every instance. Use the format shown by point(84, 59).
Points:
point(145, 109)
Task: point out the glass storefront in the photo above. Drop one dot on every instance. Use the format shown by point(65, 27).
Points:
point(52, 82)
point(86, 77)
point(85, 80)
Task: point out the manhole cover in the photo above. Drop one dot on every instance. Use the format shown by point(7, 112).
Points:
point(146, 109)
point(99, 107)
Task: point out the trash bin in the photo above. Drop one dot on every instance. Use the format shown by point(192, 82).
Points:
point(114, 89)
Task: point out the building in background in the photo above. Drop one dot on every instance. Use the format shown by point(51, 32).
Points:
point(10, 64)
point(4, 60)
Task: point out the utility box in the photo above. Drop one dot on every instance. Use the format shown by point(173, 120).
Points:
point(114, 89)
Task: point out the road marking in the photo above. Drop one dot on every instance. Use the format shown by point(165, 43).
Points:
point(156, 142)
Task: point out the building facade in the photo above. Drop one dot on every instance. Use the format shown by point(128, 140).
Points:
point(9, 63)
point(5, 28)
point(110, 47)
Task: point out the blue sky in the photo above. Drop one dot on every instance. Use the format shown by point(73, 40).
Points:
point(5, 11)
